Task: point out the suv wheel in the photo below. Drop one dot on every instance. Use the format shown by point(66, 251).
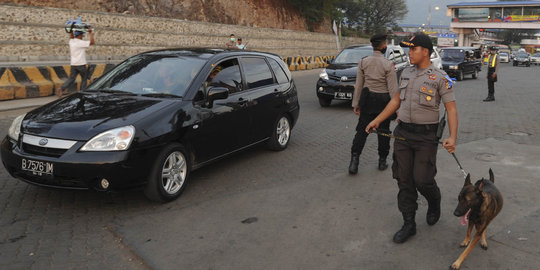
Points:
point(281, 133)
point(169, 174)
point(325, 102)
point(460, 75)
point(475, 74)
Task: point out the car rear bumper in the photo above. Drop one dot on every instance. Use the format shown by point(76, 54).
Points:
point(330, 89)
point(81, 170)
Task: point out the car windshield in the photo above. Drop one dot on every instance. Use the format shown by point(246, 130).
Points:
point(452, 54)
point(353, 56)
point(522, 55)
point(536, 54)
point(155, 74)
point(504, 54)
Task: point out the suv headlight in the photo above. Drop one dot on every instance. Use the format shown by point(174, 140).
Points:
point(453, 67)
point(15, 128)
point(324, 75)
point(117, 139)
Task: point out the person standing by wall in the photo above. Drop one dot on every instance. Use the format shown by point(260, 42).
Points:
point(231, 43)
point(240, 45)
point(422, 88)
point(77, 48)
point(376, 82)
point(493, 69)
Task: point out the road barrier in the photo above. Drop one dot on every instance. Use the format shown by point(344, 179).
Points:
point(41, 81)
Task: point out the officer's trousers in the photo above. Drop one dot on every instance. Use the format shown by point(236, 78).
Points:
point(414, 167)
point(360, 138)
point(491, 82)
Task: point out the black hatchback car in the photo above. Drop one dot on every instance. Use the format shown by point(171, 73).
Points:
point(154, 118)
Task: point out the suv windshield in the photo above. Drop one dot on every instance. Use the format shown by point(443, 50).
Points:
point(153, 74)
point(353, 56)
point(452, 54)
point(522, 55)
point(537, 54)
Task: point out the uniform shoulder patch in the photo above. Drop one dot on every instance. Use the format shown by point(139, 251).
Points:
point(449, 82)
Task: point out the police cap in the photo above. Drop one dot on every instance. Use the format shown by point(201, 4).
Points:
point(419, 39)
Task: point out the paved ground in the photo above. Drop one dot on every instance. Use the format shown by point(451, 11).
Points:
point(296, 209)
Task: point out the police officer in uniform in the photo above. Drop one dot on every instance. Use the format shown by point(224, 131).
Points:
point(421, 89)
point(493, 68)
point(375, 82)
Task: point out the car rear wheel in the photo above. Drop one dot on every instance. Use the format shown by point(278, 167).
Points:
point(475, 74)
point(169, 174)
point(325, 102)
point(280, 134)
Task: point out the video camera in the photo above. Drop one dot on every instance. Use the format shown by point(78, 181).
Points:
point(77, 26)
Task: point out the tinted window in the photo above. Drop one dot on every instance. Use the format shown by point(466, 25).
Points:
point(397, 56)
point(278, 71)
point(226, 74)
point(257, 72)
point(353, 55)
point(152, 74)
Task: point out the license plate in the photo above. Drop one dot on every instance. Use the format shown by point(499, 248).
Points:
point(37, 167)
point(342, 95)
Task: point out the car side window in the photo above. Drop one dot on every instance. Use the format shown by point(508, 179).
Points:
point(226, 74)
point(257, 72)
point(278, 71)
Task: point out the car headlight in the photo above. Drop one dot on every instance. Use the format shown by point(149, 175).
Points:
point(453, 67)
point(15, 128)
point(324, 75)
point(117, 139)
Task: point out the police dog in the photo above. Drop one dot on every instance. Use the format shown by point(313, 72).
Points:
point(479, 203)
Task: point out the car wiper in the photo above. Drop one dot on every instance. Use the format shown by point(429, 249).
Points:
point(113, 91)
point(161, 95)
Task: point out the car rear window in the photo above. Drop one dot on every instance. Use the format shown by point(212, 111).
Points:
point(278, 71)
point(353, 56)
point(257, 72)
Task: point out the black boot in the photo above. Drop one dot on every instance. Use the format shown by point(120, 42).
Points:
point(408, 229)
point(382, 164)
point(353, 166)
point(489, 98)
point(433, 212)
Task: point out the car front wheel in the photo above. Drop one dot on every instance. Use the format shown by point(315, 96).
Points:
point(460, 75)
point(169, 174)
point(280, 134)
point(325, 102)
point(475, 74)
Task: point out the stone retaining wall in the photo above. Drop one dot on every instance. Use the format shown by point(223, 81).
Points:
point(37, 34)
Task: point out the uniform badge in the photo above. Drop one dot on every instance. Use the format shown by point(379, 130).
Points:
point(449, 82)
point(428, 98)
point(432, 77)
point(430, 91)
point(423, 89)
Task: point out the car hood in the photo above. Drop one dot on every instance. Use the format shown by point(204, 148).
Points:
point(348, 70)
point(451, 62)
point(83, 115)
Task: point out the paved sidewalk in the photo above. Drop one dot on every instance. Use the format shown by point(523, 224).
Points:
point(17, 104)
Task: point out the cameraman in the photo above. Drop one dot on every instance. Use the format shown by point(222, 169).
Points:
point(77, 48)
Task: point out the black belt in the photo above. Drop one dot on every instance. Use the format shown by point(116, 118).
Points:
point(418, 128)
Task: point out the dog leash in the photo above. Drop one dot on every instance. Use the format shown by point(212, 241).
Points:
point(387, 134)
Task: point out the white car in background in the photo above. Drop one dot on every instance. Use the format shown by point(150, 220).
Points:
point(436, 58)
point(504, 57)
point(535, 58)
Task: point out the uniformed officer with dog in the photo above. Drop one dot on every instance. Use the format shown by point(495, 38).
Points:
point(376, 81)
point(422, 88)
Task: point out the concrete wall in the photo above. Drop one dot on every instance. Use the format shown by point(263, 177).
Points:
point(37, 34)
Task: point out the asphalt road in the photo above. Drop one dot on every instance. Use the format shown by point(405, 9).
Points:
point(297, 209)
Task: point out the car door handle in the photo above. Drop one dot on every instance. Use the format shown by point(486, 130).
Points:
point(242, 102)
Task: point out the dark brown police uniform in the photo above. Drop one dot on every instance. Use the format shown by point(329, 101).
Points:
point(421, 92)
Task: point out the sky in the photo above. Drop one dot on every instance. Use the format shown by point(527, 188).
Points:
point(418, 11)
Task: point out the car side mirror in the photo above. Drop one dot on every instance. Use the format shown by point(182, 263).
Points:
point(216, 93)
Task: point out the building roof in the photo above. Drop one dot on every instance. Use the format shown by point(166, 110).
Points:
point(494, 4)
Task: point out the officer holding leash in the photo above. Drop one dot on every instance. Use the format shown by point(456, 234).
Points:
point(422, 88)
point(376, 82)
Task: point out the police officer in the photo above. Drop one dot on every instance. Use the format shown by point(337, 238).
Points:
point(375, 82)
point(421, 89)
point(493, 68)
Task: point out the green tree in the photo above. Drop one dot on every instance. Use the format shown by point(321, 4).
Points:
point(372, 16)
point(314, 10)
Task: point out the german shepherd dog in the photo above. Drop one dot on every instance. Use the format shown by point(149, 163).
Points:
point(479, 203)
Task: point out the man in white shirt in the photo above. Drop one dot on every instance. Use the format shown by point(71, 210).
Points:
point(77, 48)
point(240, 45)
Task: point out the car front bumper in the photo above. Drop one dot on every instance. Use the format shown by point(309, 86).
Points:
point(81, 170)
point(331, 89)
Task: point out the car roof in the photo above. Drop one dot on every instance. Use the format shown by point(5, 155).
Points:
point(206, 53)
point(459, 48)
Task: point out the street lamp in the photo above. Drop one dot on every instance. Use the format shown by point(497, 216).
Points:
point(436, 8)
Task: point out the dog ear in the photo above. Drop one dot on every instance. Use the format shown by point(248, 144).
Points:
point(467, 180)
point(491, 176)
